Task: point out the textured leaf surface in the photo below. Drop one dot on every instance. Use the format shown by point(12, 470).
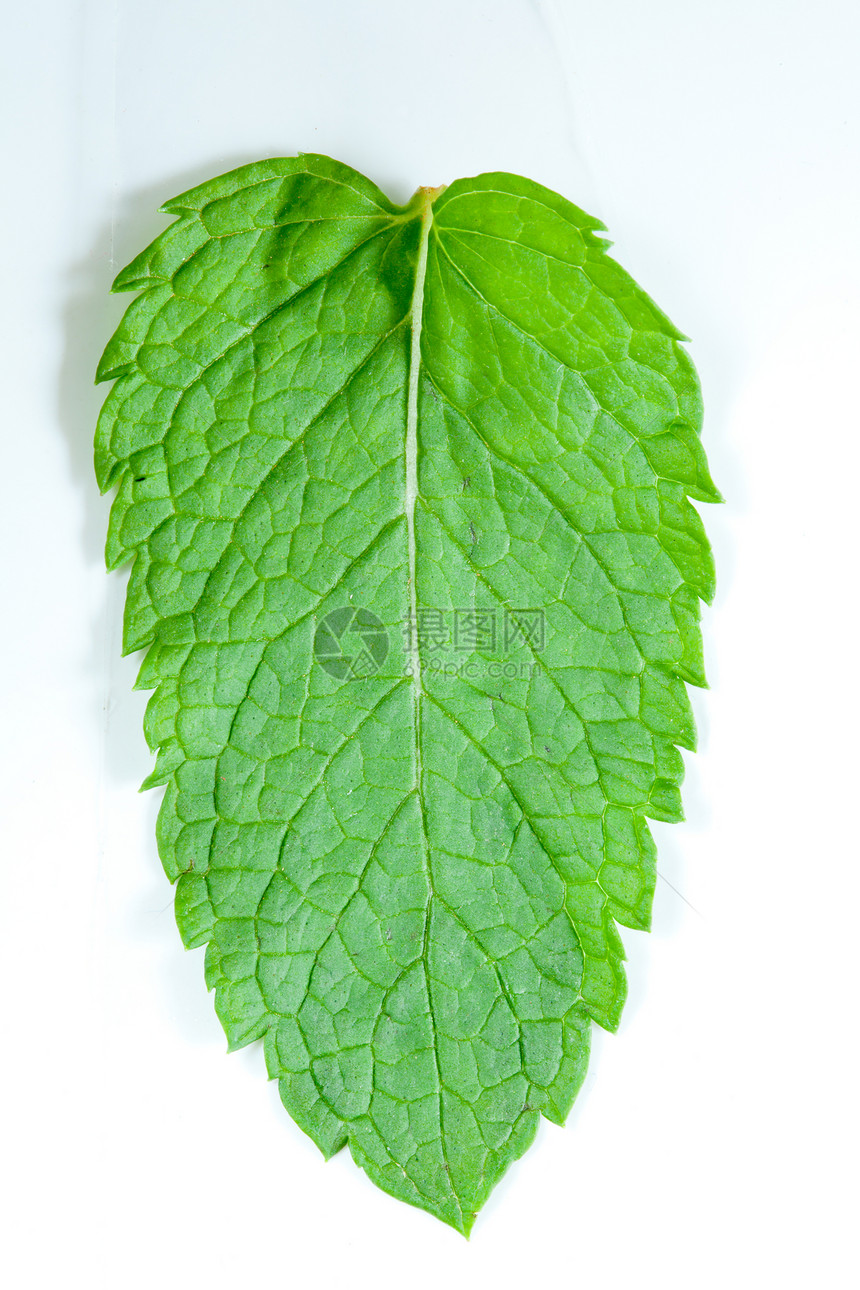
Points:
point(405, 492)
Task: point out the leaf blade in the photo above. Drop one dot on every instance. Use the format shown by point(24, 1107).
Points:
point(330, 415)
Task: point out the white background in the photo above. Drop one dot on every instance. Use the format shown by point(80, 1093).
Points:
point(714, 1143)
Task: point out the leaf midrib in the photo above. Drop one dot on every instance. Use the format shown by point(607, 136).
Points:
point(410, 497)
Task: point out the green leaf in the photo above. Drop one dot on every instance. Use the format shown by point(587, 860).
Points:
point(405, 492)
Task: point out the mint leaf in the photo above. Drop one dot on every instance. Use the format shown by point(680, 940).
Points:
point(405, 492)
